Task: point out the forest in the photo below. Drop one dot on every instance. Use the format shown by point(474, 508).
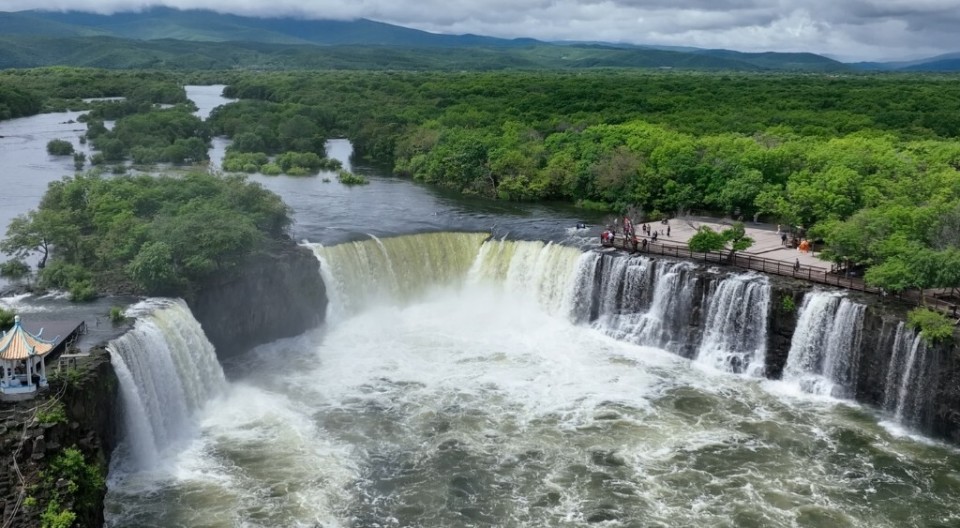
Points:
point(143, 234)
point(869, 164)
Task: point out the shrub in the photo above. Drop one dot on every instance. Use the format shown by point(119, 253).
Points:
point(14, 269)
point(271, 169)
point(71, 377)
point(297, 171)
point(56, 413)
point(79, 159)
point(59, 147)
point(244, 161)
point(305, 160)
point(6, 319)
point(82, 291)
point(933, 326)
point(116, 314)
point(60, 275)
point(54, 517)
point(787, 304)
point(349, 178)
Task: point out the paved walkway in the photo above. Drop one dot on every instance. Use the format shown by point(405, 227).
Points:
point(767, 255)
point(766, 240)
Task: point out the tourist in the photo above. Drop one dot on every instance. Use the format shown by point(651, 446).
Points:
point(796, 266)
point(783, 239)
point(668, 230)
point(644, 244)
point(654, 237)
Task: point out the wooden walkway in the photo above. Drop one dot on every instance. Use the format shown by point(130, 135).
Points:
point(808, 273)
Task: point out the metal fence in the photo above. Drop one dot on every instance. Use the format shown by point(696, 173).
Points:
point(815, 274)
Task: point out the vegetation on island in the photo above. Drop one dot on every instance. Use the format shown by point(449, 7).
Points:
point(348, 178)
point(868, 164)
point(59, 147)
point(156, 235)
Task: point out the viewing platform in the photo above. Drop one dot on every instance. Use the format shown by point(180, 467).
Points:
point(26, 349)
point(767, 255)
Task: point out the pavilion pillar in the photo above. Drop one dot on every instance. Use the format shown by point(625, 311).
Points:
point(43, 372)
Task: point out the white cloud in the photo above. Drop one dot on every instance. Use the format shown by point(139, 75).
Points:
point(852, 29)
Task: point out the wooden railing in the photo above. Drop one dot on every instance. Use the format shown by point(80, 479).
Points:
point(809, 273)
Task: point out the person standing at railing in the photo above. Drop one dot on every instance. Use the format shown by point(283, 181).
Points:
point(796, 266)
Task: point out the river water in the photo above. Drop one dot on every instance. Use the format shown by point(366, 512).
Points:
point(451, 386)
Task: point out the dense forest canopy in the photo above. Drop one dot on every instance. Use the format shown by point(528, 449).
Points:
point(154, 235)
point(868, 163)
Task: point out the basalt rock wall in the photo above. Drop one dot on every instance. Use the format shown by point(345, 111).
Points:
point(887, 366)
point(28, 446)
point(275, 294)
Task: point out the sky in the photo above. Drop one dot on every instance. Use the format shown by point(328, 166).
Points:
point(844, 29)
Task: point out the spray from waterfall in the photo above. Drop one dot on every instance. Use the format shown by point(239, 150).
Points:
point(167, 370)
point(823, 354)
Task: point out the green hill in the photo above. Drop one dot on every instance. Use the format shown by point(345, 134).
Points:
point(200, 39)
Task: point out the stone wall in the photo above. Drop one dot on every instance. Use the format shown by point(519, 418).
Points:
point(275, 294)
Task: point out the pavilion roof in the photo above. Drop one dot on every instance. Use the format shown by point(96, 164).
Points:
point(18, 344)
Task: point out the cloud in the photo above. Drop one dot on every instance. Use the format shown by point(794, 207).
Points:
point(851, 29)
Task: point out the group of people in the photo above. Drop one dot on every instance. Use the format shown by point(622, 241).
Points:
point(630, 236)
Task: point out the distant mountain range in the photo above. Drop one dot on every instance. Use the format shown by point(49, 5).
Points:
point(165, 37)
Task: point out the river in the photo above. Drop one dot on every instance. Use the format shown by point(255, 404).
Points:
point(455, 384)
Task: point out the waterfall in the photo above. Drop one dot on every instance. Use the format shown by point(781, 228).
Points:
point(822, 357)
point(735, 331)
point(167, 369)
point(544, 272)
point(907, 377)
point(648, 302)
point(359, 274)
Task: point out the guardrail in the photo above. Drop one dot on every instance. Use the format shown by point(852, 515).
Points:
point(815, 274)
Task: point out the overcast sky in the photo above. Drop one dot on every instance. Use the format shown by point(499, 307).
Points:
point(845, 29)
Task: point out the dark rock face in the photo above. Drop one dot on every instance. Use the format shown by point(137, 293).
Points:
point(91, 425)
point(785, 302)
point(873, 376)
point(274, 295)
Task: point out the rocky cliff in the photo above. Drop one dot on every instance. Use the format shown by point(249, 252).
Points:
point(875, 358)
point(275, 294)
point(59, 441)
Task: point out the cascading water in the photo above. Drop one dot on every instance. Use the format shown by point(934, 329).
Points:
point(644, 301)
point(167, 369)
point(822, 357)
point(360, 273)
point(735, 330)
point(906, 376)
point(540, 271)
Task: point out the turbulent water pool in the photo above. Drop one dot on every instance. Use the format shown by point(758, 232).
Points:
point(473, 399)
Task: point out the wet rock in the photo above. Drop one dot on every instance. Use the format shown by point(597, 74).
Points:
point(608, 459)
point(603, 514)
